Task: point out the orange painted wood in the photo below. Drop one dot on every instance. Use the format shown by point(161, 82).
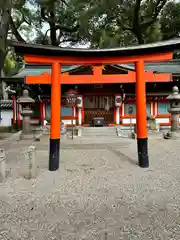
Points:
point(45, 78)
point(19, 114)
point(114, 114)
point(128, 115)
point(55, 101)
point(82, 109)
point(97, 70)
point(98, 60)
point(141, 116)
point(168, 115)
point(68, 118)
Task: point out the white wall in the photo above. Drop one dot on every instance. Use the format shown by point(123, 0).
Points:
point(6, 115)
point(68, 121)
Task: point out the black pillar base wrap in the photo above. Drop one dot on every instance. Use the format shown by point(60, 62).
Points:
point(142, 144)
point(54, 154)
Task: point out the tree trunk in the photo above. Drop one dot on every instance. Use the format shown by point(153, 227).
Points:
point(137, 23)
point(53, 30)
point(139, 37)
point(5, 11)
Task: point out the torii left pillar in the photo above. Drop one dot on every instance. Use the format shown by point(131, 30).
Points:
point(55, 117)
point(141, 122)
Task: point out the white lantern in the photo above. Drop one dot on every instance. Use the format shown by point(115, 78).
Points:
point(118, 100)
point(79, 101)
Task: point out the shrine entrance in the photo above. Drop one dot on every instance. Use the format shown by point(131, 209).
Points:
point(57, 56)
point(99, 106)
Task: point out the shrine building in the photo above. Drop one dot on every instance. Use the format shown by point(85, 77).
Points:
point(109, 100)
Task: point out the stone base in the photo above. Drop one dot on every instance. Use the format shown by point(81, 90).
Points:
point(153, 125)
point(79, 132)
point(172, 135)
point(155, 135)
point(64, 136)
point(26, 136)
point(2, 165)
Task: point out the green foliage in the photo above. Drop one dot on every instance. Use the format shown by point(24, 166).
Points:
point(103, 23)
point(115, 23)
point(58, 18)
point(9, 63)
point(170, 20)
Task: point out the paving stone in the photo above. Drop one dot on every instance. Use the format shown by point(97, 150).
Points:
point(99, 192)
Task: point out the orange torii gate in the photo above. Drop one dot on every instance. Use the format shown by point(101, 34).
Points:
point(57, 56)
point(98, 77)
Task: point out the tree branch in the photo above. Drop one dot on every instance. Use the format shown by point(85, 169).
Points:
point(43, 14)
point(65, 3)
point(15, 31)
point(70, 40)
point(158, 7)
point(67, 29)
point(123, 26)
point(62, 28)
point(136, 12)
point(136, 23)
point(25, 19)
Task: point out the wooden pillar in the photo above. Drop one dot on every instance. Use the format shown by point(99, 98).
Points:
point(141, 122)
point(41, 114)
point(13, 109)
point(44, 112)
point(82, 110)
point(19, 115)
point(117, 115)
point(55, 117)
point(114, 116)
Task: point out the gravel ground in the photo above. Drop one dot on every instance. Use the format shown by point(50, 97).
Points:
point(99, 192)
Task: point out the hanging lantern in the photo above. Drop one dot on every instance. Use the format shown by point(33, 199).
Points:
point(71, 97)
point(118, 100)
point(71, 100)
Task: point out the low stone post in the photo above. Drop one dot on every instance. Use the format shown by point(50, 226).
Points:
point(63, 130)
point(2, 164)
point(153, 126)
point(30, 157)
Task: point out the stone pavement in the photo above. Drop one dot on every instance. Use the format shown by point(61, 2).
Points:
point(99, 192)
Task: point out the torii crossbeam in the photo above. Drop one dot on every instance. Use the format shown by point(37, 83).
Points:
point(56, 56)
point(97, 78)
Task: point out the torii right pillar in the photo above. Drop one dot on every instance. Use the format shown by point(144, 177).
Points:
point(141, 118)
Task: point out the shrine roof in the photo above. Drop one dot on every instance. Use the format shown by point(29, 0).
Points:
point(38, 69)
point(172, 67)
point(158, 47)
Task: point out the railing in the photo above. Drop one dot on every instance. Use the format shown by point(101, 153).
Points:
point(90, 114)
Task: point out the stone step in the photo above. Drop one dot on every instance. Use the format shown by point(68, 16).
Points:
point(99, 131)
point(102, 128)
point(98, 134)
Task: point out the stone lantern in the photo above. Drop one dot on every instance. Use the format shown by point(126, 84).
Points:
point(26, 113)
point(174, 109)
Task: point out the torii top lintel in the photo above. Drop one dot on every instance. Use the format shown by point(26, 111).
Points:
point(48, 54)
